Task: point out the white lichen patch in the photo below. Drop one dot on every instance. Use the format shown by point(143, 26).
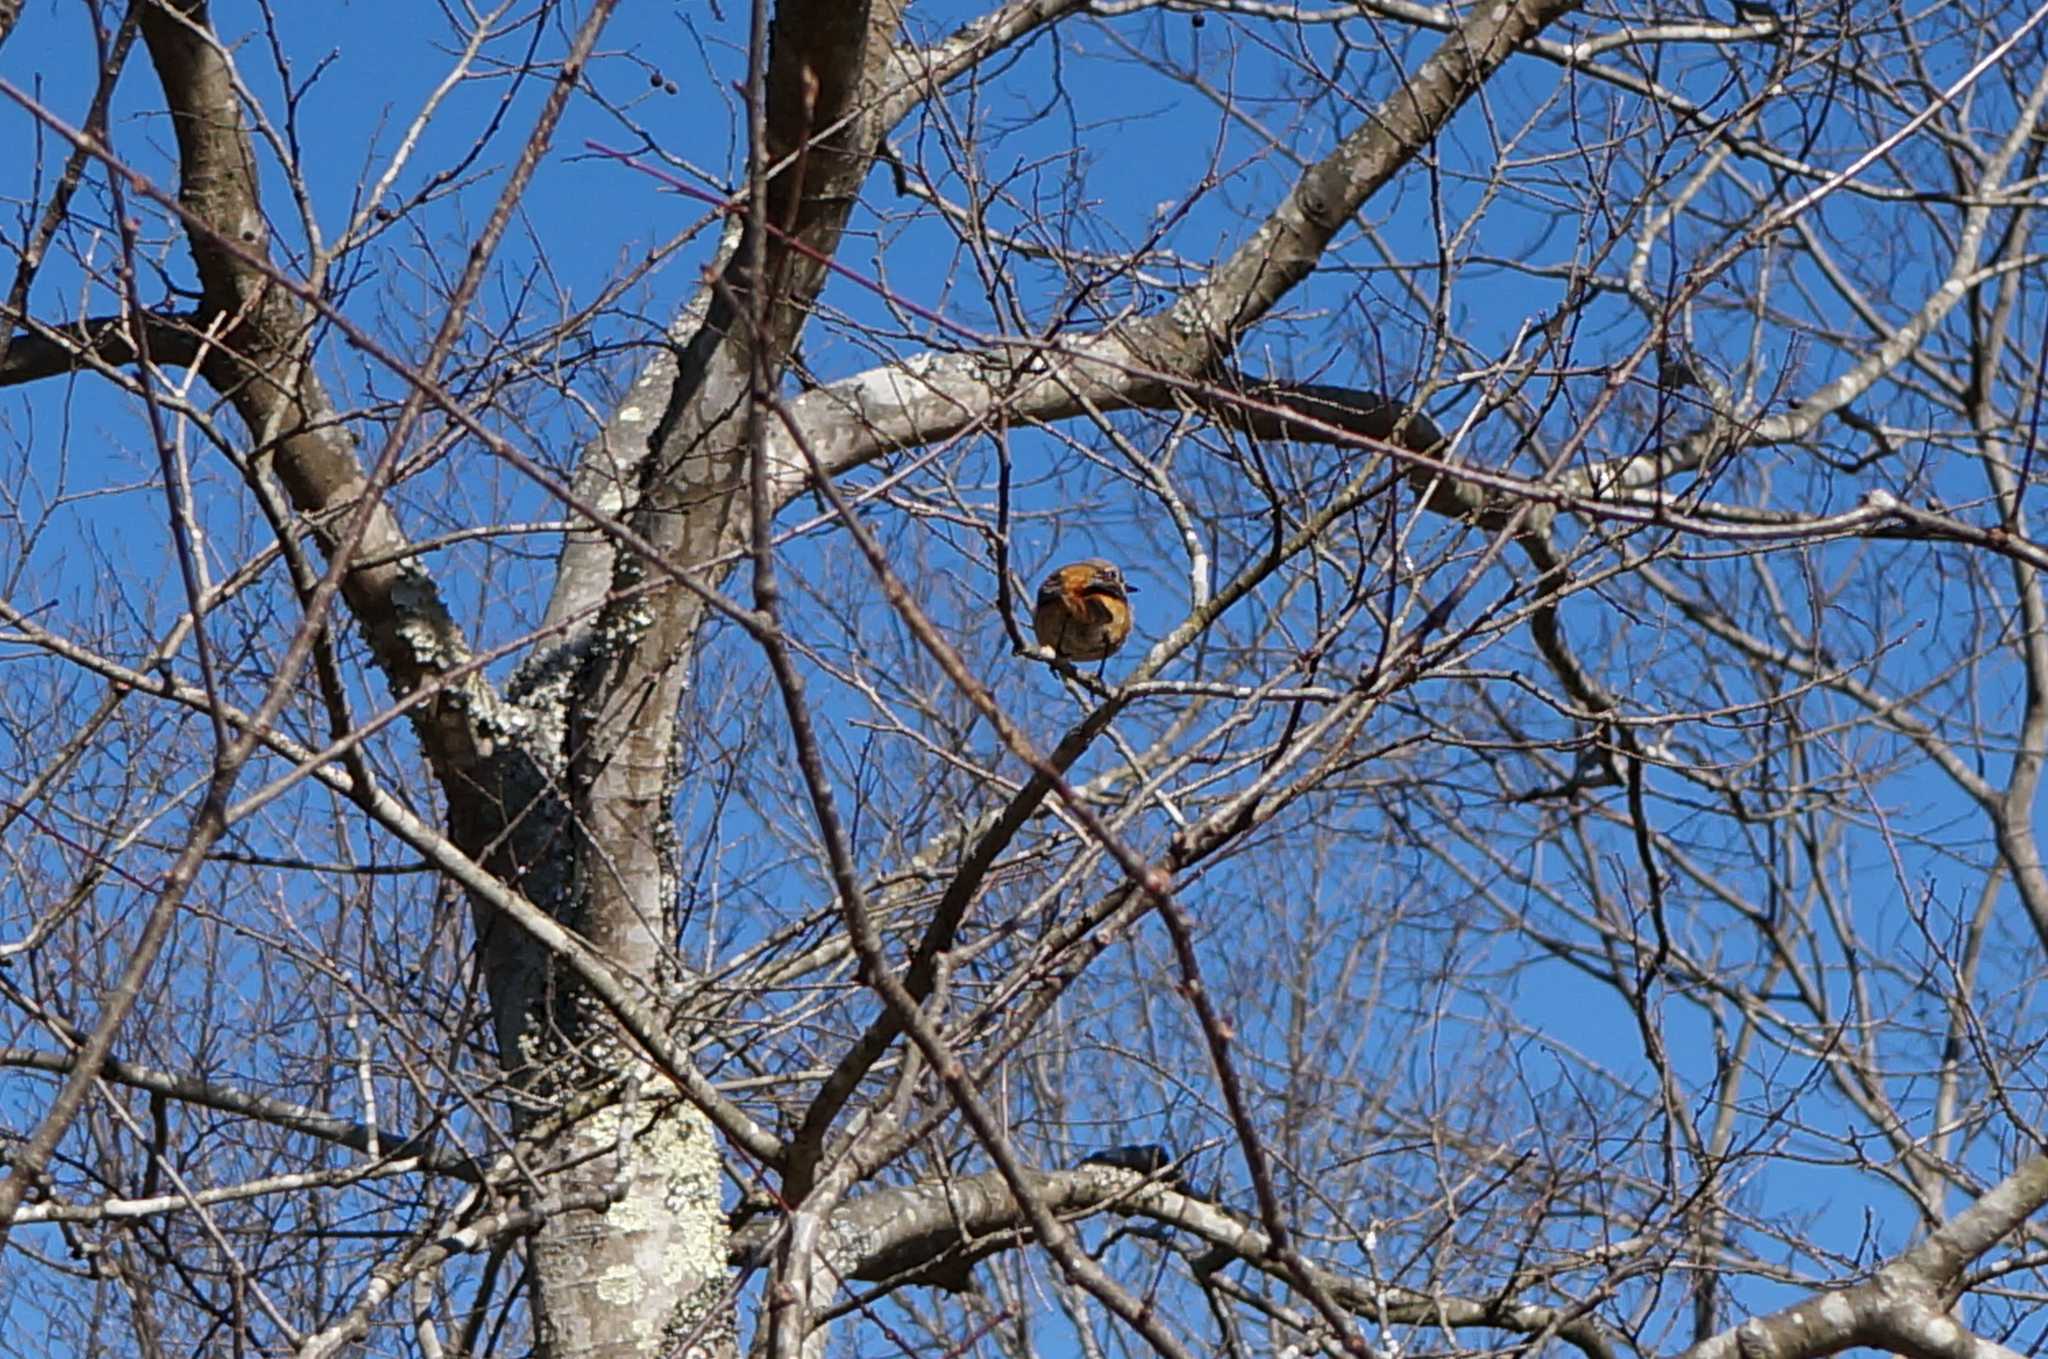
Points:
point(630, 623)
point(632, 1214)
point(619, 1286)
point(538, 697)
point(503, 719)
point(1941, 1333)
point(423, 622)
point(1837, 1311)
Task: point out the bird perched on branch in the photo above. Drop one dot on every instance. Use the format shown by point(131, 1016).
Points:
point(1083, 611)
point(1146, 1158)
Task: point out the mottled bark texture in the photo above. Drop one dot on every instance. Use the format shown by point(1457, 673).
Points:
point(648, 1272)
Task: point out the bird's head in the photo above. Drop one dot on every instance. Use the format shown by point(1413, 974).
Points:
point(1100, 577)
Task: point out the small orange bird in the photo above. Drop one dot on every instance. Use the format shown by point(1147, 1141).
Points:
point(1083, 611)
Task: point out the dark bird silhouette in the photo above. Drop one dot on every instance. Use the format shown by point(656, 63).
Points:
point(1675, 372)
point(1146, 1158)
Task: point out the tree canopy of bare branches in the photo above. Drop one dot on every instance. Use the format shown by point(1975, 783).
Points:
point(535, 823)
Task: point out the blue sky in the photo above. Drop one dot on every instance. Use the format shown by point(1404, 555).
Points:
point(1076, 138)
